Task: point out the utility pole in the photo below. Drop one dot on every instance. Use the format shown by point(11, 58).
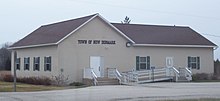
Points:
point(15, 67)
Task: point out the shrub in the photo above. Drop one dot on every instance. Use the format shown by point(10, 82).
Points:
point(35, 80)
point(214, 77)
point(8, 78)
point(29, 80)
point(3, 73)
point(76, 84)
point(200, 76)
point(61, 79)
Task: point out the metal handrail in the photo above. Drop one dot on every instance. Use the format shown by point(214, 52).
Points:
point(118, 75)
point(177, 73)
point(137, 76)
point(187, 69)
point(94, 76)
point(175, 70)
point(115, 72)
point(188, 74)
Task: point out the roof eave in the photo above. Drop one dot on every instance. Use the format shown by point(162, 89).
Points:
point(163, 45)
point(31, 46)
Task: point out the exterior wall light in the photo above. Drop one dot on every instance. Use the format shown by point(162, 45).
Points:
point(128, 44)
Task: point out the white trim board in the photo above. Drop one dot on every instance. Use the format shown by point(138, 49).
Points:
point(162, 45)
point(31, 46)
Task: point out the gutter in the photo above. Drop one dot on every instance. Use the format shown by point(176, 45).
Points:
point(162, 45)
point(31, 46)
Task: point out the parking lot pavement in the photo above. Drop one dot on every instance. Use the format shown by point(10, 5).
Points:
point(149, 91)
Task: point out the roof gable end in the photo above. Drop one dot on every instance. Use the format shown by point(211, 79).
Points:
point(51, 34)
point(55, 33)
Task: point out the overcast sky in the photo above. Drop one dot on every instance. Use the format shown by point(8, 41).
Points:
point(18, 18)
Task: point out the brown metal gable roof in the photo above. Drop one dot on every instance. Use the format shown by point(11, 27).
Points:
point(165, 35)
point(51, 33)
point(140, 34)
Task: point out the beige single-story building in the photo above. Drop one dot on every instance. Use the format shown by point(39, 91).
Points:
point(93, 42)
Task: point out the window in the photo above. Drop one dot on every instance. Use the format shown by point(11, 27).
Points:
point(26, 63)
point(18, 63)
point(194, 62)
point(36, 63)
point(47, 63)
point(142, 63)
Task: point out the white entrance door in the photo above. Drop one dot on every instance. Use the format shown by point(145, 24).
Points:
point(169, 61)
point(95, 64)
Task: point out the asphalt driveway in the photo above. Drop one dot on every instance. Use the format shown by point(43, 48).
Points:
point(150, 91)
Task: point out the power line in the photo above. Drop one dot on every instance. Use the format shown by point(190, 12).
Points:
point(212, 35)
point(150, 10)
point(155, 11)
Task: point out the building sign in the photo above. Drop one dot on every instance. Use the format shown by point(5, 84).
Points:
point(96, 42)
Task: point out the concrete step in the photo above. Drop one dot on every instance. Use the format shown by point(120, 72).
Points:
point(105, 78)
point(107, 81)
point(182, 79)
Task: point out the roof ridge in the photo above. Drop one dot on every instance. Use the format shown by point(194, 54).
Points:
point(152, 25)
point(70, 20)
point(54, 33)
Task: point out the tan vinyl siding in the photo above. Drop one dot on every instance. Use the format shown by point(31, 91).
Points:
point(37, 52)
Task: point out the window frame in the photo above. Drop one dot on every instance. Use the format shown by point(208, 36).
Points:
point(195, 63)
point(47, 63)
point(18, 64)
point(27, 65)
point(139, 63)
point(142, 63)
point(36, 62)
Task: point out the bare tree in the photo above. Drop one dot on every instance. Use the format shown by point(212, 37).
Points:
point(5, 57)
point(126, 20)
point(61, 79)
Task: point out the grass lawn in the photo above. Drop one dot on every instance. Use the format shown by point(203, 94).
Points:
point(21, 87)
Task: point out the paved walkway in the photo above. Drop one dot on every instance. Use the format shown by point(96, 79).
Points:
point(150, 91)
